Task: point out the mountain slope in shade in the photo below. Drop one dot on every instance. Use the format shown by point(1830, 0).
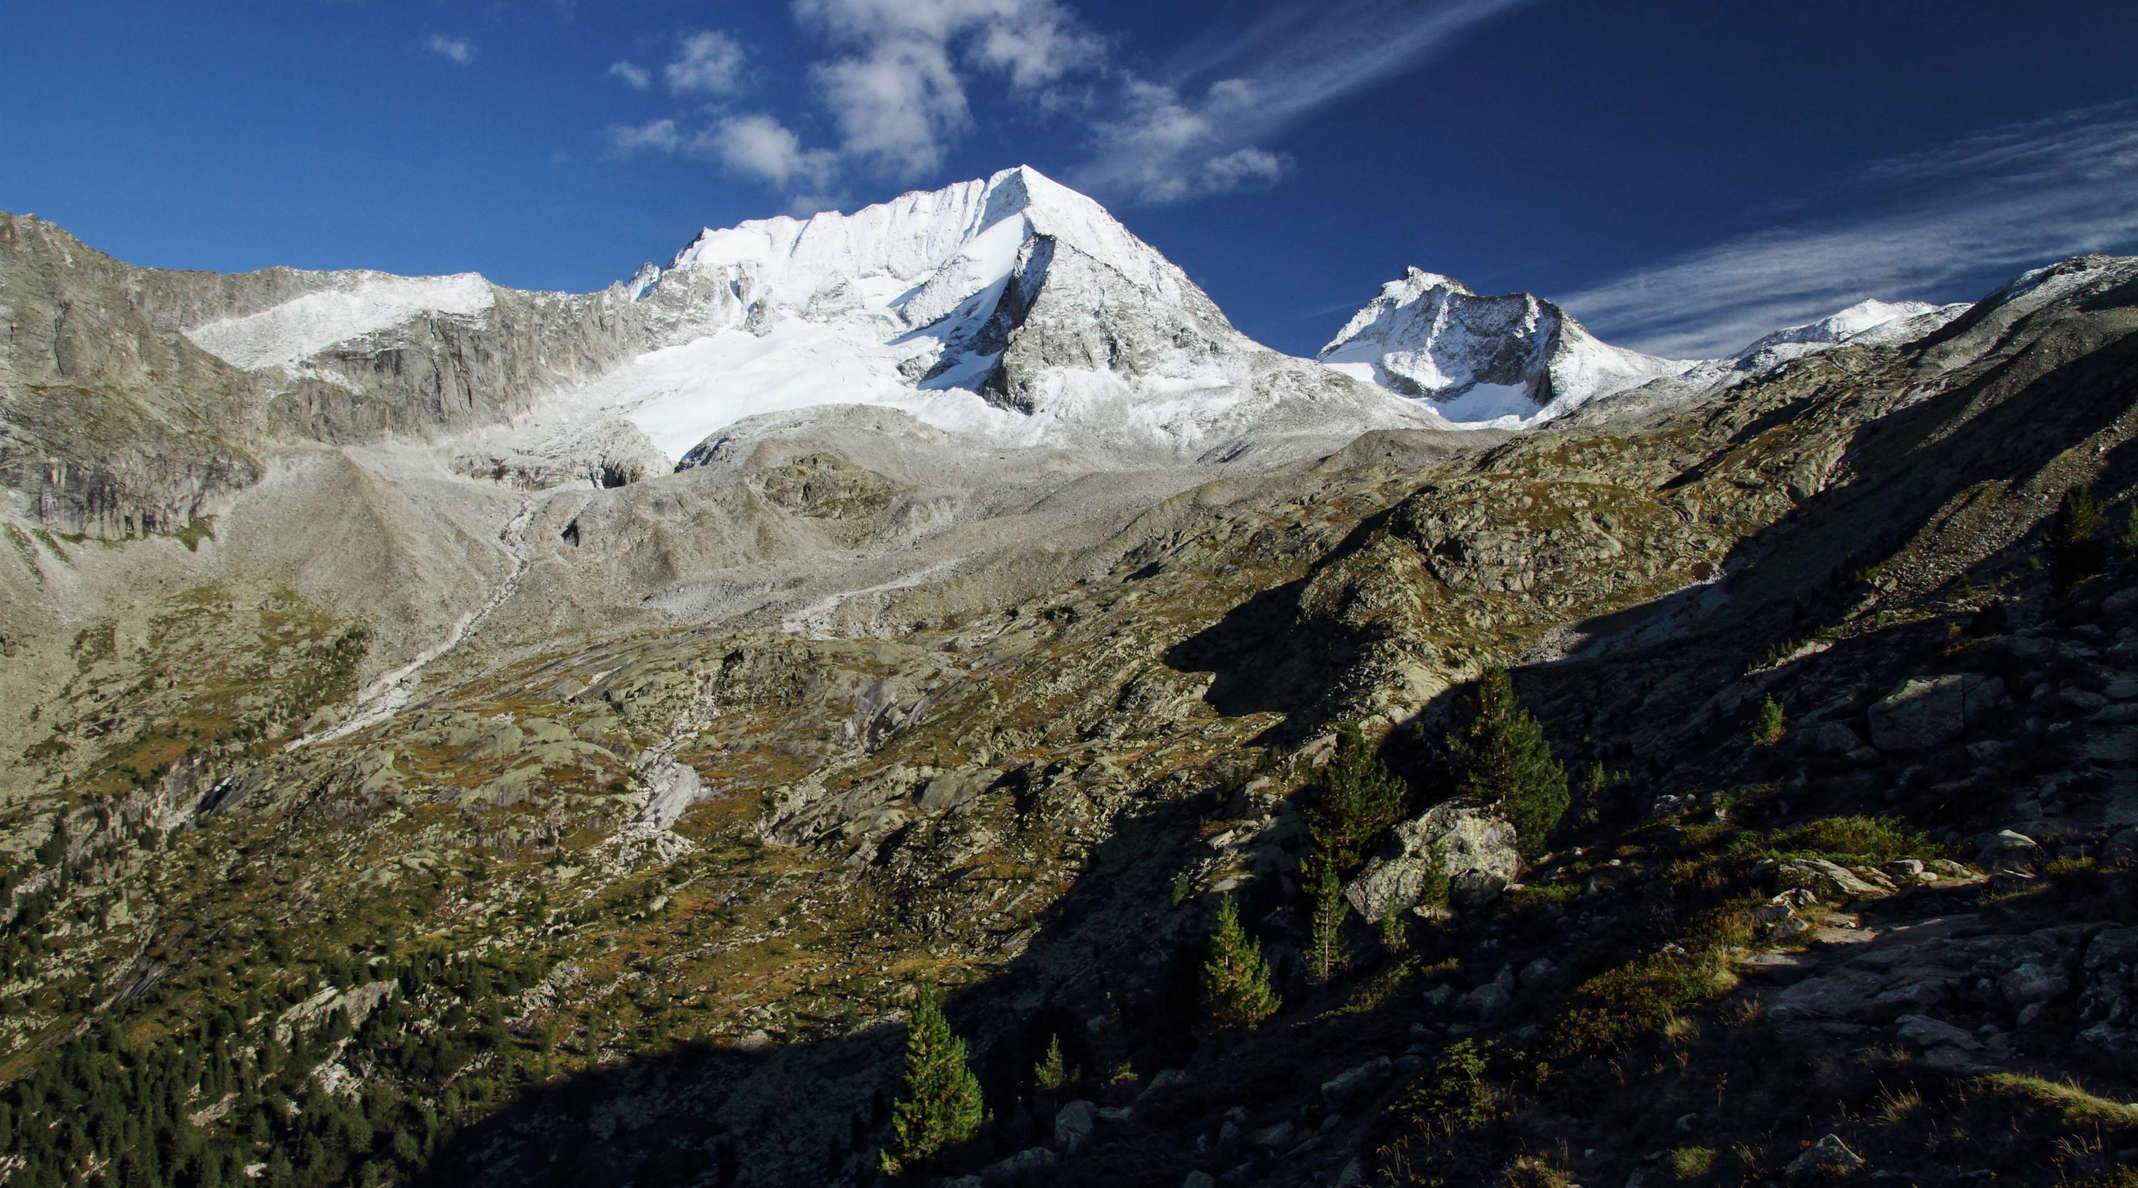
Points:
point(1505, 360)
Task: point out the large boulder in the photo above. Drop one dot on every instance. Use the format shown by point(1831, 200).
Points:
point(1073, 1124)
point(1830, 882)
point(2009, 849)
point(1474, 847)
point(1828, 1156)
point(1941, 1044)
point(1925, 712)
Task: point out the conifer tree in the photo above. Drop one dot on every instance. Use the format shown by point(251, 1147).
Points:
point(1235, 982)
point(1355, 798)
point(939, 1101)
point(1395, 938)
point(1325, 940)
point(1050, 1073)
point(1502, 758)
point(1771, 726)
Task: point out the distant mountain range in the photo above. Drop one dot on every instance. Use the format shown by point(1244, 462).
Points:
point(1012, 310)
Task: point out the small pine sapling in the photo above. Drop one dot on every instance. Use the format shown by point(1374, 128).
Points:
point(1771, 726)
point(1236, 993)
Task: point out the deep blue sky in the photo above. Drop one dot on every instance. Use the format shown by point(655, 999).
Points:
point(1685, 174)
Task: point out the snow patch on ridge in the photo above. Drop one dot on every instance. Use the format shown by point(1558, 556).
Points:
point(359, 303)
point(1870, 322)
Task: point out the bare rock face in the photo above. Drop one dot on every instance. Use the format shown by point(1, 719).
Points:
point(1063, 308)
point(119, 419)
point(2108, 995)
point(1472, 847)
point(358, 356)
point(1926, 712)
point(612, 454)
point(112, 426)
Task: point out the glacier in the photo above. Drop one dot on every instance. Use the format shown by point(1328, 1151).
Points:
point(1010, 312)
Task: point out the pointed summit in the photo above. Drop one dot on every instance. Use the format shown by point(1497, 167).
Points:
point(1511, 359)
point(1012, 304)
point(1418, 280)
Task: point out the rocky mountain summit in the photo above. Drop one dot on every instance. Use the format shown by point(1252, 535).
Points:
point(1518, 360)
point(465, 736)
point(1514, 358)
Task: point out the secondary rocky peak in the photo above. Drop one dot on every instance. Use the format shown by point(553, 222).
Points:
point(1844, 325)
point(1509, 359)
point(1864, 323)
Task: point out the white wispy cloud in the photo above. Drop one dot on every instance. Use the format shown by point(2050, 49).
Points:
point(660, 136)
point(458, 50)
point(896, 107)
point(893, 87)
point(896, 88)
point(757, 145)
point(707, 63)
point(1965, 213)
point(632, 75)
point(1202, 126)
point(1159, 146)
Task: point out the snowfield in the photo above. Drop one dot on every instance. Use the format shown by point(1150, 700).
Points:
point(360, 304)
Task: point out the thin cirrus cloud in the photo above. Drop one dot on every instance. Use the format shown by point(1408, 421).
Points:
point(457, 50)
point(1203, 129)
point(1966, 214)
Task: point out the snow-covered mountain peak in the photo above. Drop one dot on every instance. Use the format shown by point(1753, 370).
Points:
point(1011, 309)
point(1417, 281)
point(1414, 285)
point(1011, 306)
point(1843, 325)
point(1503, 361)
point(972, 230)
point(2039, 286)
point(1865, 314)
point(1866, 322)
